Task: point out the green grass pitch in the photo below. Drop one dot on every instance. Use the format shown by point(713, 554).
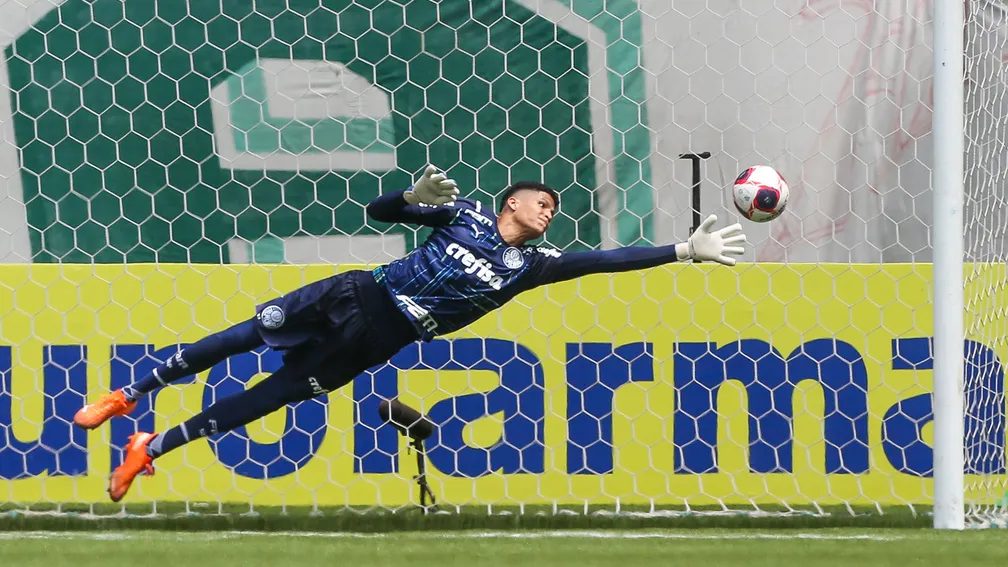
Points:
point(711, 547)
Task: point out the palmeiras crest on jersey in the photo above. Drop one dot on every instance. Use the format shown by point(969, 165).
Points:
point(513, 258)
point(272, 317)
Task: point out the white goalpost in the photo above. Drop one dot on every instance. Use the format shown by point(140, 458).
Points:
point(948, 185)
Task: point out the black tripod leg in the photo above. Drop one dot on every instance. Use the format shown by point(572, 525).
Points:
point(421, 478)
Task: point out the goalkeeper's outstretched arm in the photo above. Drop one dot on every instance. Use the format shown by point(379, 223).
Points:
point(704, 244)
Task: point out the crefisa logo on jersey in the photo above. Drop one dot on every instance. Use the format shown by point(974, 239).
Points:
point(513, 258)
point(272, 317)
point(478, 267)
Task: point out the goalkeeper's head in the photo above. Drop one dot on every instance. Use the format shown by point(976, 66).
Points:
point(531, 206)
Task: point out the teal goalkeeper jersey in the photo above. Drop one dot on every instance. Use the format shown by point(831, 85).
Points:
point(464, 269)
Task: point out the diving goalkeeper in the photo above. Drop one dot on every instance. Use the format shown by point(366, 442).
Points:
point(331, 330)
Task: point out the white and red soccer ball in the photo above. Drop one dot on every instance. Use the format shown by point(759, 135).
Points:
point(760, 193)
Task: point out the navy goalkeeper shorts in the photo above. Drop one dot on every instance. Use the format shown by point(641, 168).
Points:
point(336, 328)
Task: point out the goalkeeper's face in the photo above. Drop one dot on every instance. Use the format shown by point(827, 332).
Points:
point(533, 211)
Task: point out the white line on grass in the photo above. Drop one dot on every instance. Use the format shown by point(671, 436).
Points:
point(518, 534)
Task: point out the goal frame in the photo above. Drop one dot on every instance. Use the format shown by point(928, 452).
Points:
point(948, 183)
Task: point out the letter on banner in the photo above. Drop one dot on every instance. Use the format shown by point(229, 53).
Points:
point(520, 398)
point(594, 372)
point(61, 448)
point(770, 380)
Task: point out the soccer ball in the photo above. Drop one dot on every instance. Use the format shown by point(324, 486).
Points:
point(760, 193)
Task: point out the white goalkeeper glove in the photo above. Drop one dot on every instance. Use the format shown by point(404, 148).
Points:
point(706, 245)
point(433, 188)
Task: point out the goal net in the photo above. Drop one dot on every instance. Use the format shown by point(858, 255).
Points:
point(985, 214)
point(167, 166)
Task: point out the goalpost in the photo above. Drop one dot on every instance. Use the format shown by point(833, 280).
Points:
point(970, 118)
point(948, 188)
point(168, 165)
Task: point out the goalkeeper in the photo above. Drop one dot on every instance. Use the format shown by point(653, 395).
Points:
point(332, 330)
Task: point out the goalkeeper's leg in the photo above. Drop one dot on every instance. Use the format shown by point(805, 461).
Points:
point(291, 383)
point(193, 359)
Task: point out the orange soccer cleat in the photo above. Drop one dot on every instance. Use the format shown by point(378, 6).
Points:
point(109, 405)
point(135, 462)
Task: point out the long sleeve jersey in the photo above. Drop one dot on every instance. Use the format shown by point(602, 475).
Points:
point(465, 269)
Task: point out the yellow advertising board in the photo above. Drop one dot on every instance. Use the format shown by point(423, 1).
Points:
point(687, 384)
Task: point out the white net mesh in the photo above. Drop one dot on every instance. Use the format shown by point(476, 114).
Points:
point(170, 165)
point(985, 213)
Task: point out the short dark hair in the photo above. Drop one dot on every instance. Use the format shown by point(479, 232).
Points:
point(533, 185)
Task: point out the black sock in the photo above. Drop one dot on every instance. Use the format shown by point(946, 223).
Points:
point(171, 439)
point(283, 387)
point(197, 357)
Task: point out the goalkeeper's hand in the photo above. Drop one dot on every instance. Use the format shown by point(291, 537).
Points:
point(433, 188)
point(706, 245)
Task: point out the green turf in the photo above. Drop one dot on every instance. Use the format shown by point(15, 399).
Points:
point(237, 517)
point(807, 548)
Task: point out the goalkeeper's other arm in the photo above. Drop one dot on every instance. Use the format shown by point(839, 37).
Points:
point(420, 204)
point(433, 188)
